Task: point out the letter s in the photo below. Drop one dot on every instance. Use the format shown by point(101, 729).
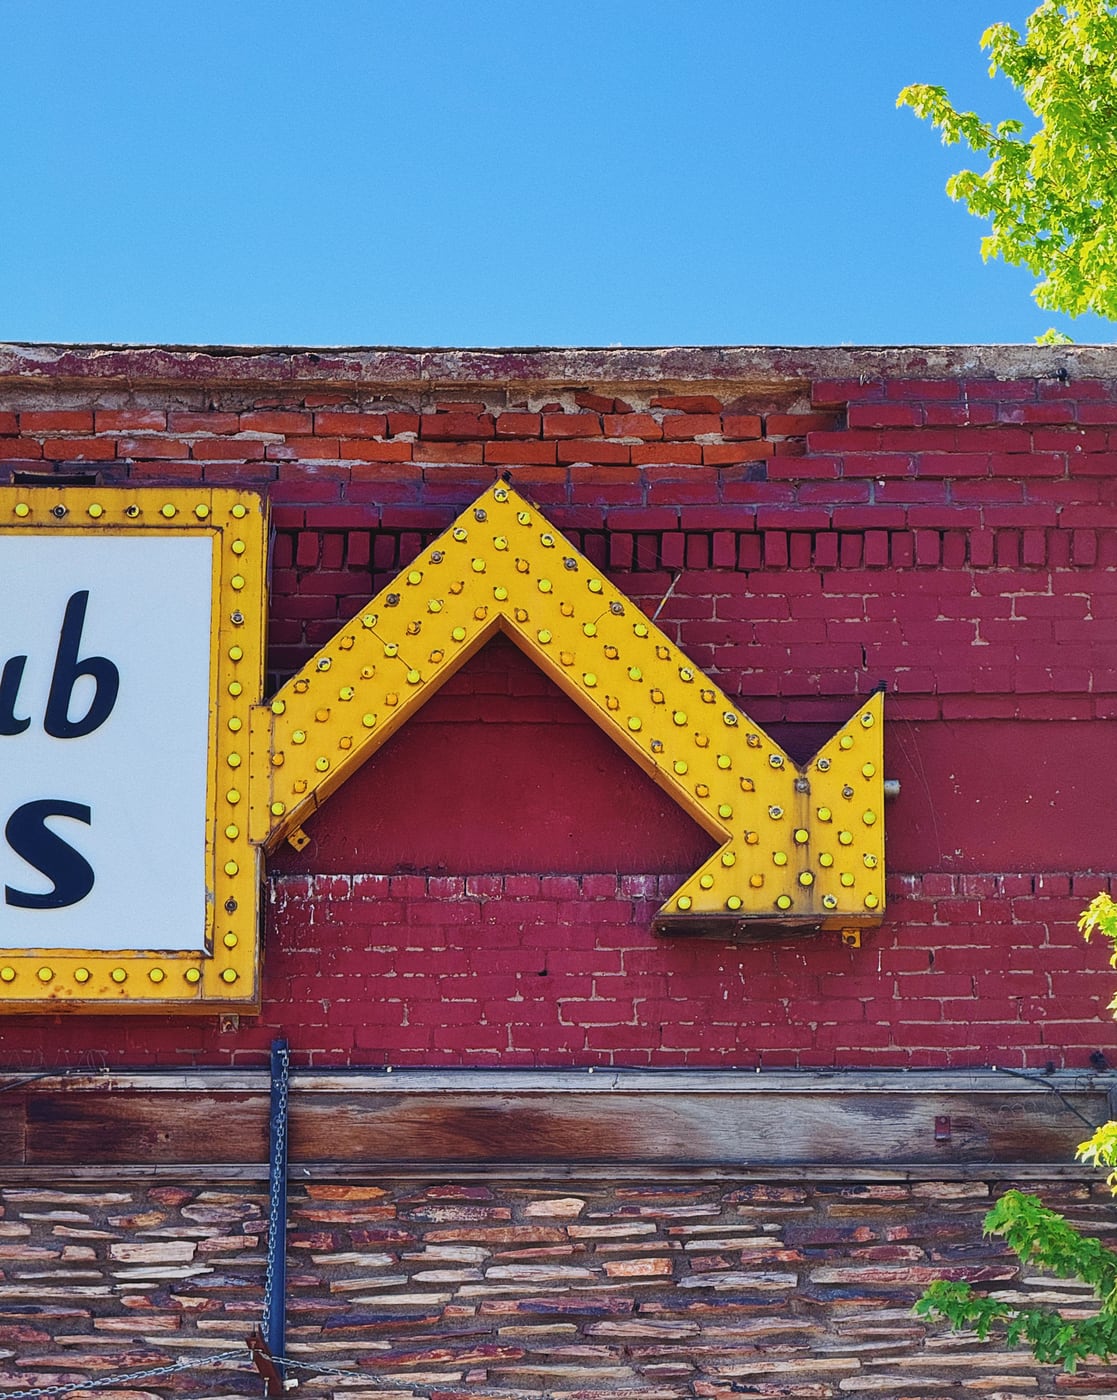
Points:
point(30, 837)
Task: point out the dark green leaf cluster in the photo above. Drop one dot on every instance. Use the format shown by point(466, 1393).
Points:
point(1043, 1239)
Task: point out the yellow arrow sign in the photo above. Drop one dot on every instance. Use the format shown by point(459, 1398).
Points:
point(800, 847)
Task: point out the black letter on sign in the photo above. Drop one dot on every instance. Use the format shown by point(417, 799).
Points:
point(9, 694)
point(67, 668)
point(30, 837)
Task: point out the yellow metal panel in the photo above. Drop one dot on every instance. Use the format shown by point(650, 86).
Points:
point(801, 848)
point(225, 976)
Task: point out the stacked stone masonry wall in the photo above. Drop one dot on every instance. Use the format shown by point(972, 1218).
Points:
point(466, 1290)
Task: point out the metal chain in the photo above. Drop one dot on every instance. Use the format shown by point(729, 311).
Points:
point(113, 1382)
point(320, 1367)
point(194, 1363)
point(278, 1158)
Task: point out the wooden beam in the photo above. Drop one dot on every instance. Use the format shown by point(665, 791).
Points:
point(424, 1121)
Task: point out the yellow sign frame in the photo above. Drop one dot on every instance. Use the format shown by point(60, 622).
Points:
point(225, 976)
point(801, 847)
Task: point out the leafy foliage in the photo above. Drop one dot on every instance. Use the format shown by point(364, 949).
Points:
point(1042, 1238)
point(1051, 195)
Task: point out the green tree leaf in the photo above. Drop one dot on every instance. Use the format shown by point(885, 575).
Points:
point(1051, 196)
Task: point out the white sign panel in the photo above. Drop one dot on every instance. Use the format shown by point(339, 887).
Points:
point(104, 724)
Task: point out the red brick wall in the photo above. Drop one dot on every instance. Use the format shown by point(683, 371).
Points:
point(481, 892)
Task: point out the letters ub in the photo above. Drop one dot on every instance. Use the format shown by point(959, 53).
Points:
point(27, 834)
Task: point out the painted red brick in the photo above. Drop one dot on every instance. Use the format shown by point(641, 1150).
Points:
point(148, 447)
point(727, 453)
point(276, 421)
point(649, 453)
point(741, 425)
point(528, 425)
point(348, 425)
point(571, 425)
point(939, 542)
point(373, 450)
point(121, 420)
point(638, 425)
point(579, 450)
point(57, 421)
point(459, 424)
point(215, 422)
point(77, 449)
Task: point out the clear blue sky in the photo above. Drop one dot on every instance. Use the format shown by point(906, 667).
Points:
point(495, 172)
